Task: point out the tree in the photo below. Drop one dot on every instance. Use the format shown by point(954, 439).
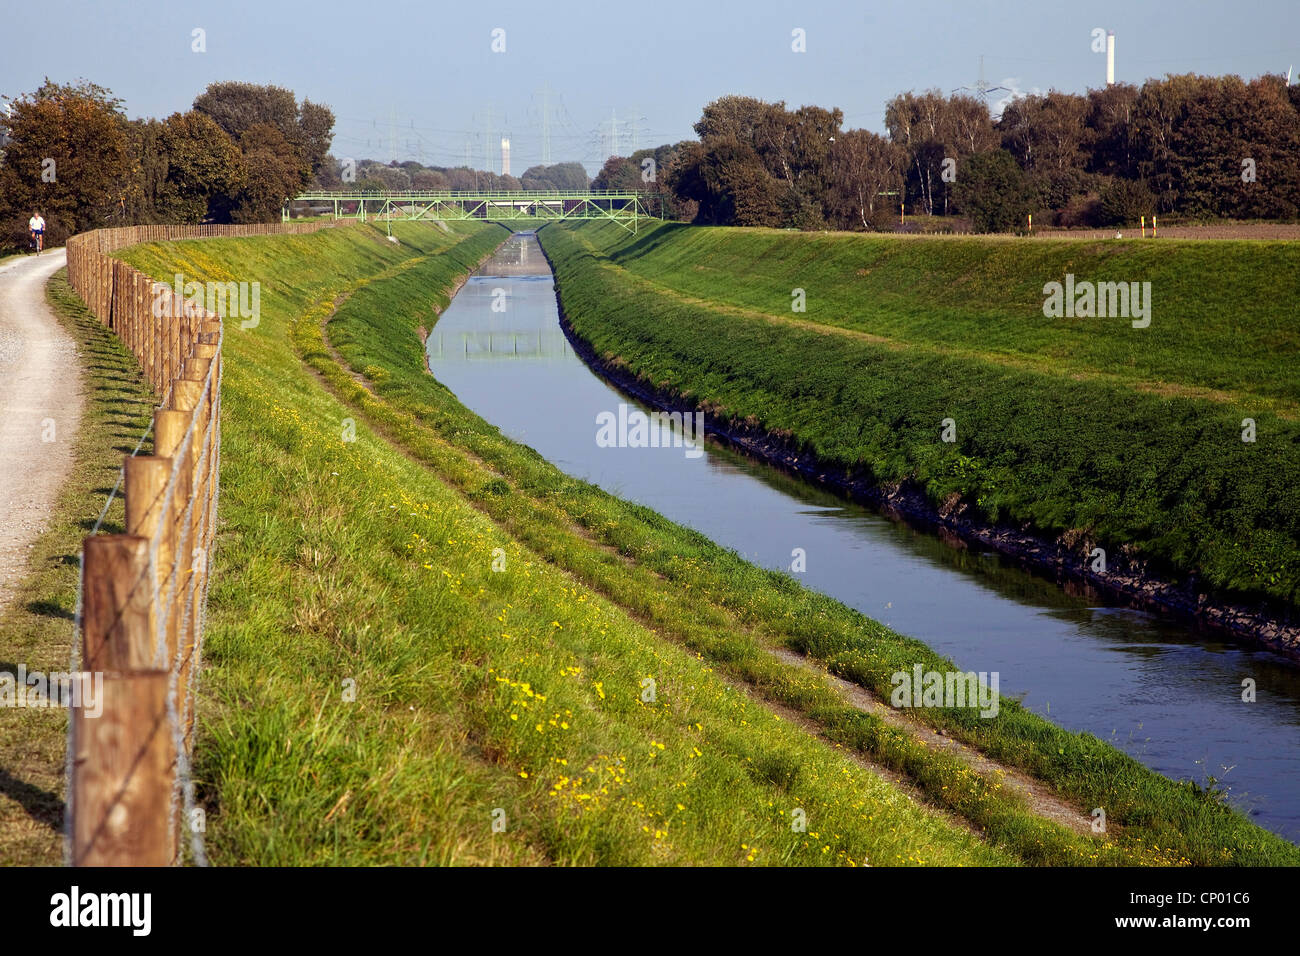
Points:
point(740, 190)
point(731, 116)
point(1125, 201)
point(566, 177)
point(462, 178)
point(1225, 127)
point(757, 163)
point(392, 178)
point(993, 192)
point(146, 175)
point(238, 107)
point(1110, 118)
point(1157, 113)
point(429, 179)
point(66, 156)
point(275, 174)
point(316, 131)
point(1047, 133)
point(620, 173)
point(933, 128)
point(205, 169)
point(864, 166)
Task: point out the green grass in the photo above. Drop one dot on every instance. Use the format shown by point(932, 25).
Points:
point(37, 627)
point(1125, 438)
point(323, 576)
point(475, 690)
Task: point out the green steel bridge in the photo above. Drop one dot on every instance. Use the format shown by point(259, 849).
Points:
point(623, 207)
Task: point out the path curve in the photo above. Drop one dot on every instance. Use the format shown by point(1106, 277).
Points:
point(40, 409)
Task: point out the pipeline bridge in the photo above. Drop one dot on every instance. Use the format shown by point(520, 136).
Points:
point(625, 207)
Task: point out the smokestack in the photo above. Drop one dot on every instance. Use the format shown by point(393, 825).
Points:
point(505, 157)
point(1110, 57)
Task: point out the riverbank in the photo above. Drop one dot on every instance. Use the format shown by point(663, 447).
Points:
point(655, 337)
point(373, 561)
point(398, 673)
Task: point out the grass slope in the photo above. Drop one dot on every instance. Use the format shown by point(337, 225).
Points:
point(373, 561)
point(480, 695)
point(1126, 438)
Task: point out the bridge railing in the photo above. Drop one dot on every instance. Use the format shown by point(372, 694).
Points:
point(460, 194)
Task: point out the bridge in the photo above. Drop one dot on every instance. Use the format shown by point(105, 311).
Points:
point(624, 207)
point(497, 344)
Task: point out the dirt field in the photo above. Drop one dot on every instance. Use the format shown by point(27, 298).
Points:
point(1231, 230)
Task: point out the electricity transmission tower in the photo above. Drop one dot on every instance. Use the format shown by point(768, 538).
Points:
point(981, 88)
point(545, 113)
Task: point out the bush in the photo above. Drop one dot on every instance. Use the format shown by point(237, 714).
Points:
point(1124, 201)
point(993, 191)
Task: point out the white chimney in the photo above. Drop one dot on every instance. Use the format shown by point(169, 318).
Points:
point(1110, 57)
point(505, 157)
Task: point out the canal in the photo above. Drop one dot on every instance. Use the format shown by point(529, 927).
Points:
point(1168, 694)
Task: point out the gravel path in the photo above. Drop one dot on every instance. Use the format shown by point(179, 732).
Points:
point(40, 409)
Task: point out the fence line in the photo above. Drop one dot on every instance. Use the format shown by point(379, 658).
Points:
point(142, 595)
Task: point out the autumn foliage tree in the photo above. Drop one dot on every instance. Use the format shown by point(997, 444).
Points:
point(65, 156)
point(283, 143)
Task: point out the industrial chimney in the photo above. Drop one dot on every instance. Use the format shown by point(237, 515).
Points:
point(1110, 57)
point(505, 157)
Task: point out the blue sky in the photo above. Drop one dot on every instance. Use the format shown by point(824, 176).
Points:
point(423, 76)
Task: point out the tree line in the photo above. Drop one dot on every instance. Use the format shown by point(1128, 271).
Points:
point(237, 155)
point(369, 174)
point(234, 156)
point(1189, 146)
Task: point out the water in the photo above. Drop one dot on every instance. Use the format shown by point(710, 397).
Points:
point(1165, 693)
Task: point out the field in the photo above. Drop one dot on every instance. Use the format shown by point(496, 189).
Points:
point(1086, 429)
point(429, 630)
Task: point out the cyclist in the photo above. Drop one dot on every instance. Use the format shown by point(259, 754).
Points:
point(37, 226)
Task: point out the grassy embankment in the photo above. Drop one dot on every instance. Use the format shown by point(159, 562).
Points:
point(36, 629)
point(373, 561)
point(475, 690)
point(1127, 438)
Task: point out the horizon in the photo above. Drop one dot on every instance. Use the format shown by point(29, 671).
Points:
point(592, 105)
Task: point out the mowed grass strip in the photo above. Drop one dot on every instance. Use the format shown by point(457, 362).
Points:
point(513, 697)
point(1161, 479)
point(37, 628)
point(1222, 318)
point(730, 612)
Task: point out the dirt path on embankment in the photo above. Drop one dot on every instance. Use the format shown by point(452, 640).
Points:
point(40, 409)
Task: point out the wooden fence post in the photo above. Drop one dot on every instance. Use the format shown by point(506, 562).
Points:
point(122, 770)
point(123, 792)
point(169, 439)
point(118, 625)
point(148, 516)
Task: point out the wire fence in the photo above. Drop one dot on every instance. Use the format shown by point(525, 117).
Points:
point(142, 595)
